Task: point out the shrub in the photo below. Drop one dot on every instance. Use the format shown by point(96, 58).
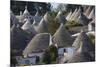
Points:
point(70, 24)
point(91, 38)
point(53, 52)
point(46, 57)
point(50, 55)
point(53, 24)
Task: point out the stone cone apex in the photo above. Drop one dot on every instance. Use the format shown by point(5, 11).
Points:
point(69, 15)
point(28, 27)
point(74, 13)
point(42, 27)
point(37, 44)
point(75, 18)
point(26, 13)
point(82, 43)
point(88, 11)
point(92, 14)
point(62, 37)
point(60, 17)
point(20, 17)
point(37, 19)
point(46, 17)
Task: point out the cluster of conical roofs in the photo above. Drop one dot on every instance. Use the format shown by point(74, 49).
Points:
point(31, 33)
point(82, 17)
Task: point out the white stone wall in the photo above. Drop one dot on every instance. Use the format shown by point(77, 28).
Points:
point(31, 58)
point(24, 61)
point(36, 54)
point(70, 51)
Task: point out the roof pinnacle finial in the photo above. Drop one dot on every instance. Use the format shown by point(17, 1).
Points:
point(21, 13)
point(26, 7)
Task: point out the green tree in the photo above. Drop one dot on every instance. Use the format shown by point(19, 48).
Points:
point(50, 55)
point(46, 57)
point(53, 25)
point(53, 53)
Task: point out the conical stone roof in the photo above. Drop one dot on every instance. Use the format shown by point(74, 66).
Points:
point(18, 39)
point(69, 15)
point(28, 27)
point(26, 13)
point(72, 16)
point(75, 18)
point(60, 17)
point(62, 38)
point(82, 43)
point(42, 27)
point(21, 17)
point(37, 19)
point(46, 17)
point(84, 19)
point(87, 12)
point(84, 49)
point(92, 14)
point(38, 43)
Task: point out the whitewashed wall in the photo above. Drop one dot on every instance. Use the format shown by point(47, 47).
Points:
point(31, 58)
point(70, 51)
point(90, 27)
point(24, 61)
point(36, 54)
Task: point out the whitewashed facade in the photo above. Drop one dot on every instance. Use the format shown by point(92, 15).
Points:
point(30, 59)
point(69, 51)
